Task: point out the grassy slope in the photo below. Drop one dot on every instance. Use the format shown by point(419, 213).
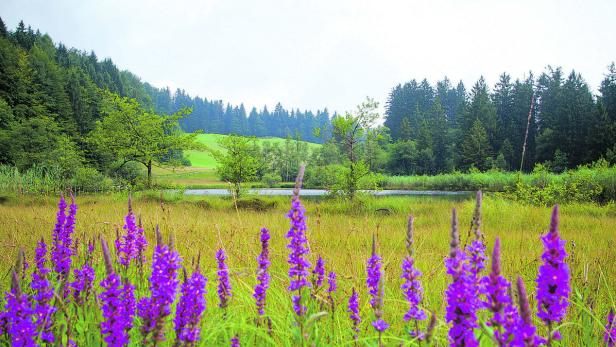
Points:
point(202, 172)
point(343, 240)
point(204, 159)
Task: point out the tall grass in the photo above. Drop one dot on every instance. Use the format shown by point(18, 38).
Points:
point(596, 183)
point(343, 239)
point(33, 180)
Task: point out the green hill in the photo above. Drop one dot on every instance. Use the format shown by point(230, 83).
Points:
point(204, 159)
point(202, 172)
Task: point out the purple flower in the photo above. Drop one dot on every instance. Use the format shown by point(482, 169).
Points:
point(526, 332)
point(332, 286)
point(375, 286)
point(332, 283)
point(141, 243)
point(461, 296)
point(353, 309)
point(235, 341)
point(131, 245)
point(553, 286)
point(155, 309)
point(476, 258)
point(610, 330)
point(263, 277)
point(319, 272)
point(43, 293)
point(224, 287)
point(498, 301)
point(298, 270)
point(19, 316)
point(412, 289)
point(117, 305)
point(373, 270)
point(380, 325)
point(84, 278)
point(190, 309)
point(61, 251)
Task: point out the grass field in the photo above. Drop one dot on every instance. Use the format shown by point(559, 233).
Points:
point(202, 172)
point(204, 159)
point(342, 234)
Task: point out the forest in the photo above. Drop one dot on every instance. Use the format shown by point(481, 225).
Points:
point(52, 97)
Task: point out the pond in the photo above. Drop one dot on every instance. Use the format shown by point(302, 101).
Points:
point(322, 192)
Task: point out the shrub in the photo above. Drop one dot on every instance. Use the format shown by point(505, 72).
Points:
point(87, 179)
point(271, 179)
point(255, 204)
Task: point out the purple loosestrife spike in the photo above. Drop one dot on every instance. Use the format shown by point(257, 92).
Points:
point(332, 283)
point(155, 309)
point(609, 337)
point(263, 277)
point(411, 287)
point(81, 287)
point(319, 273)
point(67, 240)
point(412, 290)
point(224, 287)
point(117, 305)
point(56, 235)
point(379, 324)
point(499, 302)
point(373, 271)
point(235, 341)
point(19, 316)
point(477, 249)
point(476, 222)
point(190, 309)
point(353, 309)
point(526, 332)
point(127, 244)
point(553, 280)
point(332, 286)
point(461, 294)
point(43, 293)
point(298, 249)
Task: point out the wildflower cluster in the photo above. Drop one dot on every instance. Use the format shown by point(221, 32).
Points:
point(30, 314)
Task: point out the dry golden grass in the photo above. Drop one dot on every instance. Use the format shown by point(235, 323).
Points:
point(342, 235)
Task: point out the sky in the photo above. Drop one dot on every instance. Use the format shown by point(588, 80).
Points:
point(333, 53)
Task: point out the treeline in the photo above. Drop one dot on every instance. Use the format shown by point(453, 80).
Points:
point(442, 128)
point(213, 116)
point(52, 96)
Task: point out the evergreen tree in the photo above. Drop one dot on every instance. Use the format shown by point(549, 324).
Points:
point(475, 148)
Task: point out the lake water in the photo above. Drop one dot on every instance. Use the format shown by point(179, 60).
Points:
point(322, 192)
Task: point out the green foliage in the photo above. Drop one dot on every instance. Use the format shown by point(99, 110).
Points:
point(33, 180)
point(129, 133)
point(349, 130)
point(271, 179)
point(239, 162)
point(87, 179)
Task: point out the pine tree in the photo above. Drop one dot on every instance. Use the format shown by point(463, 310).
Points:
point(476, 148)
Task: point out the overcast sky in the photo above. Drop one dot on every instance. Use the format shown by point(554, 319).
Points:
point(331, 53)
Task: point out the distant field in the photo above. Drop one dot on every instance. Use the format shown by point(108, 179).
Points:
point(204, 159)
point(202, 172)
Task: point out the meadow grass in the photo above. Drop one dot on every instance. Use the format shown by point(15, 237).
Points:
point(341, 233)
point(205, 159)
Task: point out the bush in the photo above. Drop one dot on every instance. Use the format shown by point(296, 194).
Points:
point(271, 179)
point(256, 204)
point(87, 179)
point(128, 174)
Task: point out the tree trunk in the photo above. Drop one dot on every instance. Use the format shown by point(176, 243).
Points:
point(149, 173)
